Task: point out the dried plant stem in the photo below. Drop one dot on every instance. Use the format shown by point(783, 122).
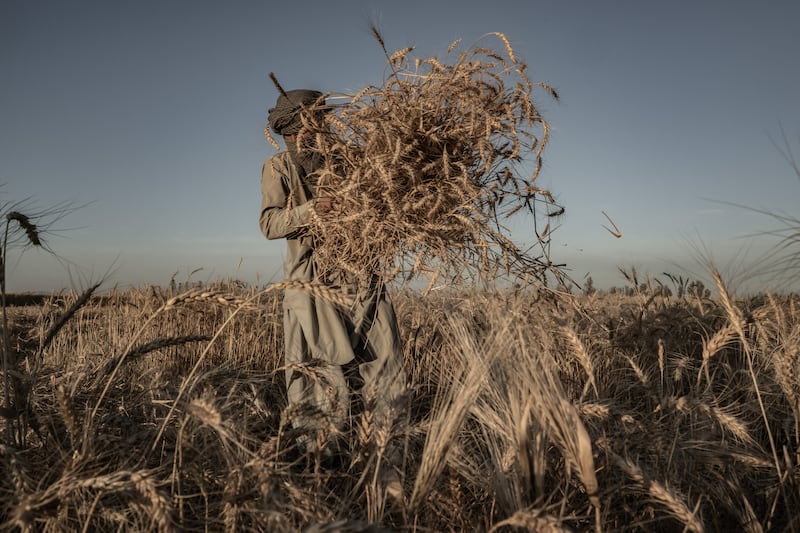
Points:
point(66, 315)
point(713, 345)
point(316, 289)
point(148, 347)
point(451, 413)
point(502, 431)
point(736, 319)
point(532, 521)
point(5, 341)
point(31, 231)
point(422, 169)
point(577, 347)
point(8, 361)
point(660, 493)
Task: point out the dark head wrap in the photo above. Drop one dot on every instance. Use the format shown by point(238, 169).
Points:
point(284, 118)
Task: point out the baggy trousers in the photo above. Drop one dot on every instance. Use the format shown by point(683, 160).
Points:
point(326, 345)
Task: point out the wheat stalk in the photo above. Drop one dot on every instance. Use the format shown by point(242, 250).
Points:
point(422, 169)
point(159, 344)
point(213, 296)
point(67, 412)
point(579, 349)
point(159, 504)
point(735, 317)
point(714, 344)
point(25, 223)
point(671, 501)
point(724, 416)
point(64, 317)
point(532, 521)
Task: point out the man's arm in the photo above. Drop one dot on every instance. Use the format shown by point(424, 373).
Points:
point(278, 221)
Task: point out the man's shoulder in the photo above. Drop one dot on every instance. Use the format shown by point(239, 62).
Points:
point(281, 157)
point(280, 163)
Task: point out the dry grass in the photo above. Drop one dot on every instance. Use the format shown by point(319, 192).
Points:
point(424, 169)
point(584, 413)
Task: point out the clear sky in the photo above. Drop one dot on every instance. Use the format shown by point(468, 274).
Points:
point(152, 113)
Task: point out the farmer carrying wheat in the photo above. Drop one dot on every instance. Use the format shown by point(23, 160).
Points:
point(329, 350)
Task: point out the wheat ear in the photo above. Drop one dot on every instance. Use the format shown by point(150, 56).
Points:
point(25, 223)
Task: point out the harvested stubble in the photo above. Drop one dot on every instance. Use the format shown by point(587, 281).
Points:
point(423, 169)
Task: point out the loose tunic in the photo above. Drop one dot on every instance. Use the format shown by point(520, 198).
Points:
point(365, 337)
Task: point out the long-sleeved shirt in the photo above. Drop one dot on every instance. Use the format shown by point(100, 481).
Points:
point(315, 328)
point(286, 212)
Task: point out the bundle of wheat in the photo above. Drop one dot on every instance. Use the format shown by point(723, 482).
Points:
point(422, 170)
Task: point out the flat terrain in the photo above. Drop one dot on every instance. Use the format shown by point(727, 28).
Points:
point(158, 410)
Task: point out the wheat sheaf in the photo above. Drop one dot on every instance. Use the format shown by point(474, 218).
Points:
point(423, 170)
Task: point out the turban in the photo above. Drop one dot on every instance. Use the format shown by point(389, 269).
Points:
point(284, 118)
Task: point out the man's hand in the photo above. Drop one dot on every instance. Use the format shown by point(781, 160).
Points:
point(323, 204)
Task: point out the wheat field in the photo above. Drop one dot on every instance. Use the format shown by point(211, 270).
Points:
point(527, 409)
point(157, 409)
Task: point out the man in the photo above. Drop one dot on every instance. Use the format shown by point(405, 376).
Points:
point(328, 350)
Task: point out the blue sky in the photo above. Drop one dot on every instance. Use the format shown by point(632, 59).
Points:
point(152, 114)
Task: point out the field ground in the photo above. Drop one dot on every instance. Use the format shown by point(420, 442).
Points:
point(640, 412)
